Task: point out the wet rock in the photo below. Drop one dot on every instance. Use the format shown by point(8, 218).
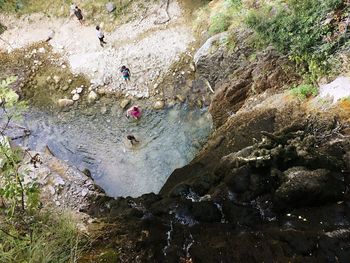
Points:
point(158, 105)
point(62, 103)
point(92, 97)
point(205, 212)
point(124, 103)
point(110, 7)
point(302, 187)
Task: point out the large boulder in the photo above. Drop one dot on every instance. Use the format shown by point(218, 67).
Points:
point(302, 187)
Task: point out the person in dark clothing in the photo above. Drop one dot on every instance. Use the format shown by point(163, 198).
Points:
point(78, 14)
point(126, 73)
point(132, 139)
point(100, 36)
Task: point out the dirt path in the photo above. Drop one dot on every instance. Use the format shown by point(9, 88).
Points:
point(146, 45)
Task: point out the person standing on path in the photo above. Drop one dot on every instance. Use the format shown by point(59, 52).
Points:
point(78, 14)
point(100, 36)
point(126, 73)
point(72, 9)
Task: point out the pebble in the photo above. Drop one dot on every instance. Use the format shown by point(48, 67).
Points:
point(57, 79)
point(76, 97)
point(79, 90)
point(158, 105)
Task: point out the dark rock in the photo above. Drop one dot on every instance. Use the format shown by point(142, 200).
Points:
point(205, 212)
point(303, 188)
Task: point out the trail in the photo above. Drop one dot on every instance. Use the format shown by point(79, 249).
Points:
point(146, 45)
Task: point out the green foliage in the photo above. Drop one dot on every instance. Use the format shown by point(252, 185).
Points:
point(304, 91)
point(297, 28)
point(221, 21)
point(15, 194)
point(27, 234)
point(52, 238)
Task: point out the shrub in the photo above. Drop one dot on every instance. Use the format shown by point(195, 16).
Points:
point(304, 91)
point(298, 28)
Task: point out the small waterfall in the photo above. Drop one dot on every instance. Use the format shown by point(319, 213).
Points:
point(186, 248)
point(223, 220)
point(168, 237)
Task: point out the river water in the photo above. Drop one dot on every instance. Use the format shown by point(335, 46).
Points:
point(87, 138)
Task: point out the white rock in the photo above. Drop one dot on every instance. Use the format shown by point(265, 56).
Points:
point(92, 96)
point(57, 79)
point(76, 97)
point(158, 105)
point(41, 50)
point(79, 90)
point(74, 91)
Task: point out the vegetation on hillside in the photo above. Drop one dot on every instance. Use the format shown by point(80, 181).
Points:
point(312, 33)
point(28, 232)
point(94, 11)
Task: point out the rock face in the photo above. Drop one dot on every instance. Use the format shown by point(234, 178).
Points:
point(302, 187)
point(235, 76)
point(268, 73)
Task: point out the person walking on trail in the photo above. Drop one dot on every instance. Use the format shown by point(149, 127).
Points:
point(50, 36)
point(72, 9)
point(134, 112)
point(100, 36)
point(78, 14)
point(126, 73)
point(132, 139)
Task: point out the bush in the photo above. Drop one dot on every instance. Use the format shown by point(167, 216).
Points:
point(221, 21)
point(304, 91)
point(299, 29)
point(51, 238)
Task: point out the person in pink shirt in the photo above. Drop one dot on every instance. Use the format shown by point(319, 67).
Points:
point(134, 112)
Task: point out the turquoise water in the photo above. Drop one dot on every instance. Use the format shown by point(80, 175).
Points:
point(87, 138)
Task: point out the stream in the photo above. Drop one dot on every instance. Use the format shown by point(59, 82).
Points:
point(87, 138)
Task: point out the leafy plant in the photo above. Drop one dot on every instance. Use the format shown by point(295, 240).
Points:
point(26, 233)
point(299, 28)
point(304, 91)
